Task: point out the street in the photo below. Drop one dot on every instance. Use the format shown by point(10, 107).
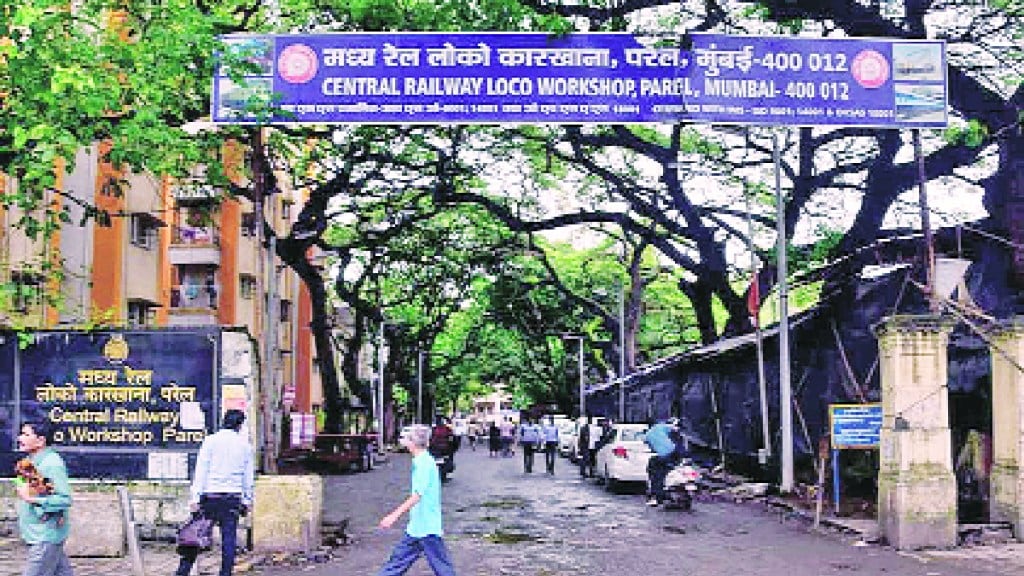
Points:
point(499, 520)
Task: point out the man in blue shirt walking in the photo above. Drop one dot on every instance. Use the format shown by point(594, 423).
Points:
point(222, 488)
point(529, 439)
point(423, 535)
point(43, 519)
point(550, 434)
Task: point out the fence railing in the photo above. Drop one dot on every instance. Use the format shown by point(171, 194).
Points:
point(200, 235)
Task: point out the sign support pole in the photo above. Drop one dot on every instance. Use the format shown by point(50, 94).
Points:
point(785, 400)
point(835, 481)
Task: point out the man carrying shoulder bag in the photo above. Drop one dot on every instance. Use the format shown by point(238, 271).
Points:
point(222, 489)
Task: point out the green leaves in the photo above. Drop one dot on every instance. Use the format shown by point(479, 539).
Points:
point(973, 135)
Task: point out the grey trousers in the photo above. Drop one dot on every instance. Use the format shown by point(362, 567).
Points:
point(47, 559)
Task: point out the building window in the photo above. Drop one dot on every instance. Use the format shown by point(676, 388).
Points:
point(286, 310)
point(249, 224)
point(141, 313)
point(143, 230)
point(26, 291)
point(247, 285)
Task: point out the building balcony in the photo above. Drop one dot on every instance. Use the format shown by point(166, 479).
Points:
point(193, 305)
point(194, 245)
point(191, 296)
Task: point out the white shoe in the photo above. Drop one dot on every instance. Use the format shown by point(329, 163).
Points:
point(652, 502)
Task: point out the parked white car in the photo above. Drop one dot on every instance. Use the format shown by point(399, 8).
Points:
point(566, 437)
point(624, 456)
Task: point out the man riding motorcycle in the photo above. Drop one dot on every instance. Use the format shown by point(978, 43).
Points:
point(442, 447)
point(665, 441)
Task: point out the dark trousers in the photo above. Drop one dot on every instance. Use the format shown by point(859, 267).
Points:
point(409, 549)
point(528, 450)
point(658, 468)
point(587, 462)
point(550, 450)
point(223, 509)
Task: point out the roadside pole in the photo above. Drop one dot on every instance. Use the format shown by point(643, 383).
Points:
point(785, 400)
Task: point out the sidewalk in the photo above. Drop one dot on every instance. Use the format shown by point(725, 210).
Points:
point(998, 552)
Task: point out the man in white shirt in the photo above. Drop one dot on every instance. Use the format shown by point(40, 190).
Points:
point(222, 488)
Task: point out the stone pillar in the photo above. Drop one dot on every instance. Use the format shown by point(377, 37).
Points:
point(916, 485)
point(287, 512)
point(1007, 480)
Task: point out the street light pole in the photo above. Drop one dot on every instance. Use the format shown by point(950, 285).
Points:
point(380, 388)
point(583, 397)
point(579, 362)
point(419, 388)
point(622, 351)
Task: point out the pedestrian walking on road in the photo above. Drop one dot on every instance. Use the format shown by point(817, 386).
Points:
point(222, 488)
point(494, 440)
point(424, 534)
point(549, 433)
point(44, 500)
point(508, 431)
point(529, 439)
point(583, 448)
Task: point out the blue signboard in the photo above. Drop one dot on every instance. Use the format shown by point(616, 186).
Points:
point(133, 404)
point(855, 425)
point(490, 78)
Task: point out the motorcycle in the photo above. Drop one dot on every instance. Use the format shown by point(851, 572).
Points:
point(682, 485)
point(445, 464)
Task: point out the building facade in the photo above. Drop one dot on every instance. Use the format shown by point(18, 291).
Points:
point(160, 254)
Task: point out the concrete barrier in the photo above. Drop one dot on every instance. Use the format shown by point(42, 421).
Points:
point(97, 528)
point(287, 512)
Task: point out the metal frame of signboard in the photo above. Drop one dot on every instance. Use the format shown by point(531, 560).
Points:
point(683, 117)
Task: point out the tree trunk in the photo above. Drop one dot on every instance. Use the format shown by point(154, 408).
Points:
point(293, 254)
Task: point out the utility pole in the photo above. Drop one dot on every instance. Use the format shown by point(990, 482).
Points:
point(579, 364)
point(380, 389)
point(268, 407)
point(785, 393)
point(926, 223)
point(583, 397)
point(622, 350)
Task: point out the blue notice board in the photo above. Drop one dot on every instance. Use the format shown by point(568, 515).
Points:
point(586, 78)
point(855, 425)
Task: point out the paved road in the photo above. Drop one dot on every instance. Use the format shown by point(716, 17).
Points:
point(500, 521)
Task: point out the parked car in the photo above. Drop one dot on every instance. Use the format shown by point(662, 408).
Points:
point(623, 456)
point(566, 437)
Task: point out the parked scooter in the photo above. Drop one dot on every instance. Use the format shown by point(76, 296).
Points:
point(682, 485)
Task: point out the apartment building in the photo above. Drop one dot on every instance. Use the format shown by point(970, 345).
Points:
point(169, 255)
